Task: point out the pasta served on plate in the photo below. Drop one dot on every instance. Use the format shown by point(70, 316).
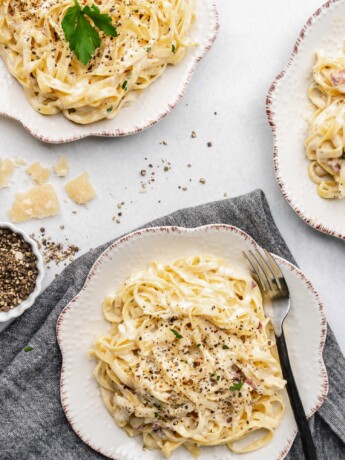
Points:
point(149, 36)
point(190, 359)
point(325, 145)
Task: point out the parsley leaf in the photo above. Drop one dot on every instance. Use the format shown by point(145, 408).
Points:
point(28, 348)
point(87, 40)
point(173, 48)
point(236, 387)
point(225, 347)
point(177, 335)
point(82, 36)
point(70, 20)
point(102, 21)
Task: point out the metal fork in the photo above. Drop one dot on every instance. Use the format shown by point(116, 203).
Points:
point(275, 290)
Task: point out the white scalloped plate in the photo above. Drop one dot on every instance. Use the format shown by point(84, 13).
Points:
point(287, 108)
point(82, 320)
point(150, 107)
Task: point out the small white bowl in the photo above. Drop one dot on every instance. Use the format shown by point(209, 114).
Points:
point(19, 309)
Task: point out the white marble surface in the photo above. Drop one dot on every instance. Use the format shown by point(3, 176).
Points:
point(254, 43)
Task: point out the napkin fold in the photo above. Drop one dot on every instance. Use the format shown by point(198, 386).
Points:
point(32, 422)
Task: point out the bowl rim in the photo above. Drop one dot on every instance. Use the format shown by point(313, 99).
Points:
point(271, 96)
point(323, 392)
point(22, 307)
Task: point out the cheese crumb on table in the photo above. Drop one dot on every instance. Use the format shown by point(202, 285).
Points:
point(19, 162)
point(37, 203)
point(39, 173)
point(61, 168)
point(6, 171)
point(80, 189)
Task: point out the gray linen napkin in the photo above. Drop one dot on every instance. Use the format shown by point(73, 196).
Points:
point(32, 422)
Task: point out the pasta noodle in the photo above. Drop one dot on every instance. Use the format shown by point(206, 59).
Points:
point(325, 145)
point(190, 359)
point(151, 35)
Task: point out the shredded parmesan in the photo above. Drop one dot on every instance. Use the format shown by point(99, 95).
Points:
point(39, 173)
point(61, 168)
point(80, 189)
point(37, 203)
point(6, 171)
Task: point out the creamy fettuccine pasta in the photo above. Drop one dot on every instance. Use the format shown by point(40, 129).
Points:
point(189, 360)
point(151, 35)
point(325, 145)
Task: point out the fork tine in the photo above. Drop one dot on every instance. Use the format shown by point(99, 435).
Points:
point(257, 272)
point(275, 268)
point(262, 269)
point(268, 265)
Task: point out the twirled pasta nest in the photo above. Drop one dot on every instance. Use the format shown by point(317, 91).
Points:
point(190, 359)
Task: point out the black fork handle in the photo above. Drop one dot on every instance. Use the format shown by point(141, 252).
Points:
point(309, 448)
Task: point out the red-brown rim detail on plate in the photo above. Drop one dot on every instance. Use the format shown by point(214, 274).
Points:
point(164, 113)
point(270, 114)
point(323, 374)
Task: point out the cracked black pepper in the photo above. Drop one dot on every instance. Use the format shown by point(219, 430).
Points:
point(18, 269)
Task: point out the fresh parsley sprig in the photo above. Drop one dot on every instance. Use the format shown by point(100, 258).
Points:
point(82, 36)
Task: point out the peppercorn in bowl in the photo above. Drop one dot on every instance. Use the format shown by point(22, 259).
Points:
point(21, 271)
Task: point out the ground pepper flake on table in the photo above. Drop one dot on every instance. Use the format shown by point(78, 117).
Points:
point(18, 269)
point(53, 251)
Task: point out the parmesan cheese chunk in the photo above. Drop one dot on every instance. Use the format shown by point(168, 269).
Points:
point(37, 203)
point(80, 189)
point(6, 171)
point(62, 167)
point(19, 162)
point(39, 173)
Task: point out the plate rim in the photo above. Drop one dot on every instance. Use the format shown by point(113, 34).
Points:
point(114, 133)
point(271, 96)
point(321, 397)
